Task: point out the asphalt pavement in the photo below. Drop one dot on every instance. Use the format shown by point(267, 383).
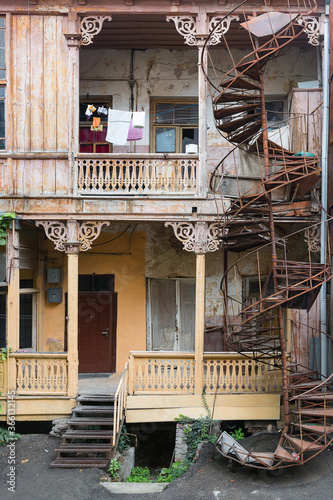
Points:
point(207, 479)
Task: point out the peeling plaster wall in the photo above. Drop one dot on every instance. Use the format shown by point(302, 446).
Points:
point(165, 258)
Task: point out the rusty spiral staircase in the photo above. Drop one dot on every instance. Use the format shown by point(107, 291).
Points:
point(257, 329)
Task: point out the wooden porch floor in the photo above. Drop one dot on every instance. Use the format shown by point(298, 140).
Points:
point(98, 384)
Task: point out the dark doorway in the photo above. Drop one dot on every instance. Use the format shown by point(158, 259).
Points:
point(97, 324)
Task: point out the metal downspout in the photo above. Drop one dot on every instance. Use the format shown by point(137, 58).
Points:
point(324, 181)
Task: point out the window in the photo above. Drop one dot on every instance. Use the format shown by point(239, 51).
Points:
point(28, 315)
point(174, 125)
point(171, 314)
point(93, 141)
point(2, 85)
point(276, 108)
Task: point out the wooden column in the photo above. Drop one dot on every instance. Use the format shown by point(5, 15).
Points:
point(72, 318)
point(202, 94)
point(199, 322)
point(13, 301)
point(73, 42)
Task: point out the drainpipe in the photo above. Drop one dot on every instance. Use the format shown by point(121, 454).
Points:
point(324, 181)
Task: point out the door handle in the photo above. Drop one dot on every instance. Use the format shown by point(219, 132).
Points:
point(106, 333)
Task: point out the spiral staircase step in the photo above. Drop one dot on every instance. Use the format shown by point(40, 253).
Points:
point(230, 97)
point(235, 124)
point(302, 444)
point(226, 112)
point(239, 83)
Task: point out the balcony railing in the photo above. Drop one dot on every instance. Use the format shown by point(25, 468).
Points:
point(41, 373)
point(134, 174)
point(174, 373)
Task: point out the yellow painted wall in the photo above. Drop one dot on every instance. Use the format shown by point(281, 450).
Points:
point(124, 257)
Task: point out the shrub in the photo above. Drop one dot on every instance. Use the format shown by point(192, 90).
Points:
point(139, 475)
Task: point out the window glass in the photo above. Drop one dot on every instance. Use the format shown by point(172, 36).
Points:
point(186, 113)
point(164, 112)
point(26, 321)
point(165, 140)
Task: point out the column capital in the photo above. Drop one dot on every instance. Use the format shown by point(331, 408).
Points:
point(198, 237)
point(73, 236)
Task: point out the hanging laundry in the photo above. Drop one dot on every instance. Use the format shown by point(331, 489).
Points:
point(139, 118)
point(134, 134)
point(90, 110)
point(102, 110)
point(118, 126)
point(96, 125)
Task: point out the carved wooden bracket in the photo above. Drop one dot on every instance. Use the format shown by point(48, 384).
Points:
point(187, 27)
point(199, 237)
point(312, 29)
point(91, 26)
point(61, 234)
point(312, 238)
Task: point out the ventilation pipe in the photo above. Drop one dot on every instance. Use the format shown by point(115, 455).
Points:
point(324, 182)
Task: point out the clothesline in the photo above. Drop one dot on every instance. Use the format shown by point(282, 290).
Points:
point(168, 111)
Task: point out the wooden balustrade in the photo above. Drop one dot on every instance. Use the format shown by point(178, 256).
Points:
point(41, 373)
point(161, 373)
point(136, 174)
point(120, 399)
point(237, 374)
point(174, 373)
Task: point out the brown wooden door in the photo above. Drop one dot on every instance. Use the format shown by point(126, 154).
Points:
point(97, 332)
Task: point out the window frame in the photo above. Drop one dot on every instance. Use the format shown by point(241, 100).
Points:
point(99, 99)
point(178, 126)
point(34, 293)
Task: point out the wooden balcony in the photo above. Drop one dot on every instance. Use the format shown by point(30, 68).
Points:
point(39, 385)
point(136, 174)
point(162, 386)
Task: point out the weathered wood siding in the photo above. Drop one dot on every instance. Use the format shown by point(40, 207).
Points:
point(38, 107)
point(38, 83)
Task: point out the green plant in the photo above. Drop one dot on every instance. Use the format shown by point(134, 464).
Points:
point(114, 469)
point(6, 436)
point(5, 220)
point(237, 434)
point(204, 402)
point(196, 430)
point(124, 440)
point(176, 470)
point(4, 353)
point(139, 475)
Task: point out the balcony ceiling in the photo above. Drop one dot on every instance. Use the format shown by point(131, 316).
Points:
point(145, 31)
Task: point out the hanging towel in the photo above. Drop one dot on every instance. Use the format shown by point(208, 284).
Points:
point(139, 118)
point(134, 134)
point(96, 125)
point(118, 126)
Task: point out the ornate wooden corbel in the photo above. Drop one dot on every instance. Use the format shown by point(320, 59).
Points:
point(90, 26)
point(65, 239)
point(198, 237)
